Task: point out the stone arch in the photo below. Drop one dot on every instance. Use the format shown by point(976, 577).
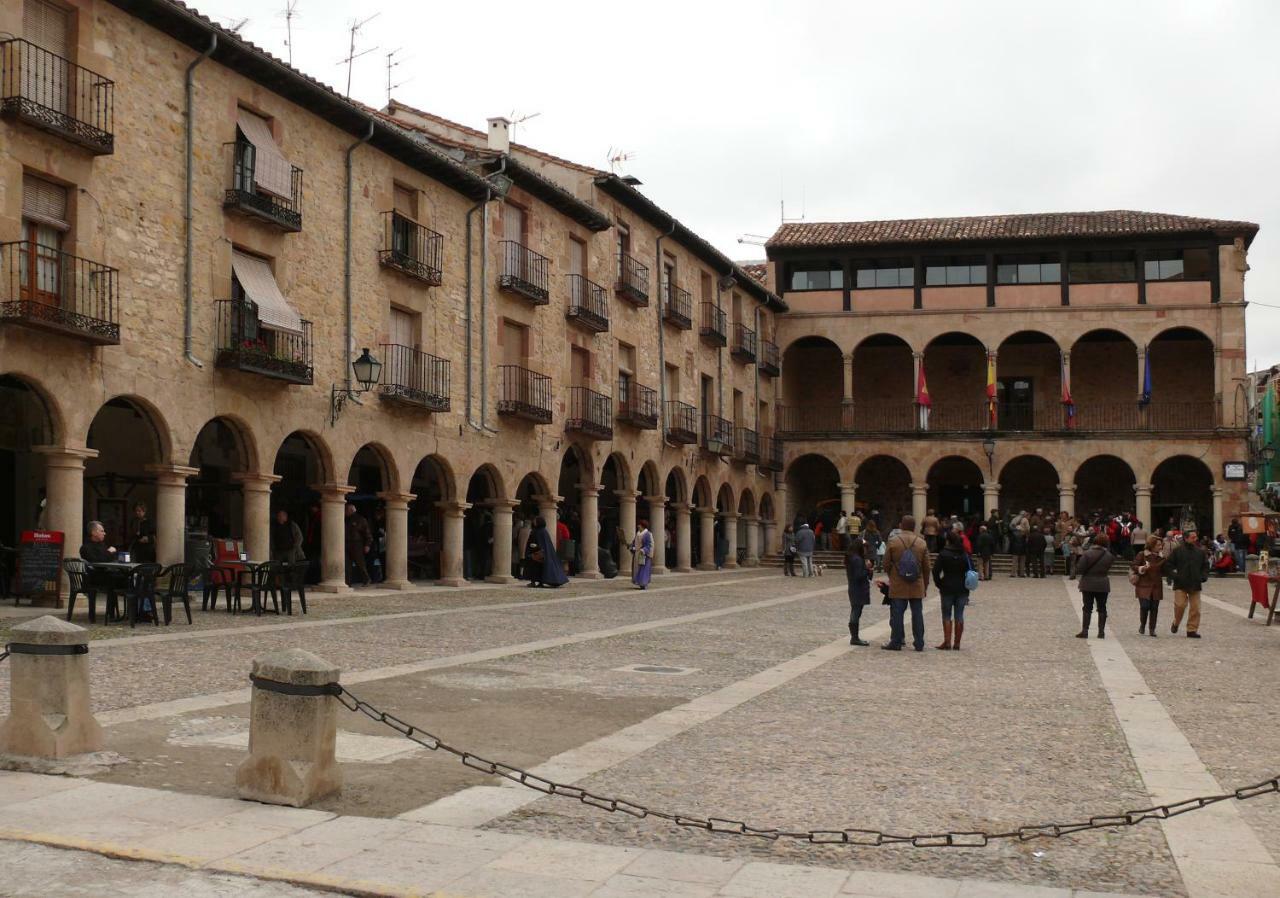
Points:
point(1029, 382)
point(676, 485)
point(807, 373)
point(369, 460)
point(30, 419)
point(1104, 483)
point(955, 487)
point(130, 439)
point(724, 499)
point(955, 365)
point(53, 429)
point(702, 492)
point(747, 503)
point(883, 384)
point(157, 429)
point(812, 488)
point(530, 485)
point(884, 490)
point(222, 451)
point(430, 483)
point(1182, 379)
point(1182, 490)
point(319, 448)
point(649, 480)
point(1104, 378)
point(621, 470)
point(1028, 482)
point(486, 480)
point(767, 512)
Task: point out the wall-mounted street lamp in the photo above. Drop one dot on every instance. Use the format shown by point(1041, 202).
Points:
point(368, 371)
point(989, 447)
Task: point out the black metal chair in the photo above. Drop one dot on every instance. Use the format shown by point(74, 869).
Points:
point(142, 588)
point(293, 576)
point(79, 582)
point(212, 579)
point(262, 580)
point(177, 588)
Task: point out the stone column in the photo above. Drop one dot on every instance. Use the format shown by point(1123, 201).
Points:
point(990, 498)
point(1067, 499)
point(626, 523)
point(1218, 410)
point(707, 539)
point(548, 510)
point(781, 500)
point(658, 527)
point(397, 508)
point(49, 704)
point(589, 538)
point(684, 546)
point(292, 738)
point(452, 512)
point(1217, 512)
point(919, 504)
point(171, 511)
point(256, 492)
point(1142, 492)
point(753, 541)
point(731, 537)
point(64, 492)
point(768, 535)
point(333, 547)
point(848, 497)
point(501, 509)
point(848, 378)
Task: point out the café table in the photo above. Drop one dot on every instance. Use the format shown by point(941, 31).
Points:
point(246, 577)
point(118, 573)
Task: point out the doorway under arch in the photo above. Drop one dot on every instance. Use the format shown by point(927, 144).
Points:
point(128, 437)
point(1182, 493)
point(812, 487)
point(955, 487)
point(431, 485)
point(1104, 486)
point(884, 490)
point(27, 423)
point(1028, 482)
point(215, 500)
point(301, 462)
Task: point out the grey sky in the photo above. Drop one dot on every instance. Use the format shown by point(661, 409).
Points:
point(854, 110)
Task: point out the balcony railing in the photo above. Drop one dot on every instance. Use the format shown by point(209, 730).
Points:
point(713, 329)
point(524, 394)
point(245, 345)
point(247, 198)
point(49, 290)
point(677, 307)
point(743, 344)
point(588, 304)
point(682, 422)
point(746, 445)
point(633, 281)
point(590, 414)
point(637, 405)
point(771, 457)
point(525, 272)
point(410, 248)
point(414, 378)
point(717, 435)
point(55, 95)
point(770, 359)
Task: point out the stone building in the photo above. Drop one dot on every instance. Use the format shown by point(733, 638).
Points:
point(1083, 361)
point(197, 241)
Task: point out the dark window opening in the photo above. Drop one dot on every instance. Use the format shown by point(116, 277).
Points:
point(872, 273)
point(816, 276)
point(954, 271)
point(1102, 267)
point(1178, 265)
point(1029, 268)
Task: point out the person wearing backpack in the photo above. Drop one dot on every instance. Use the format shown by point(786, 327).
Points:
point(949, 575)
point(906, 560)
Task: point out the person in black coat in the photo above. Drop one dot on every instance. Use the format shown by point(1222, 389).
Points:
point(1035, 553)
point(858, 570)
point(948, 575)
point(541, 564)
point(984, 546)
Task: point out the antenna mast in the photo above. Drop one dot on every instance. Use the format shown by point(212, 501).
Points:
point(352, 55)
point(290, 10)
point(391, 64)
point(517, 119)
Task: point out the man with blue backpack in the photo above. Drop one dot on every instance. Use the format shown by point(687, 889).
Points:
point(906, 561)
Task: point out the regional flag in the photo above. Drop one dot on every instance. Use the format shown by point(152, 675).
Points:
point(1145, 399)
point(991, 389)
point(923, 402)
point(1067, 402)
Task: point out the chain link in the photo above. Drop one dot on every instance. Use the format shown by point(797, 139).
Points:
point(861, 837)
point(4, 653)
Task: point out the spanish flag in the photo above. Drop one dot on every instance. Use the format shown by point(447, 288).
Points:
point(923, 402)
point(991, 389)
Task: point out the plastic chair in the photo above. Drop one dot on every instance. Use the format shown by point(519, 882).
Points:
point(142, 588)
point(1258, 591)
point(262, 580)
point(78, 580)
point(178, 589)
point(293, 576)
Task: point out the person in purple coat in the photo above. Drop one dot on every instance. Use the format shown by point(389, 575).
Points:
point(642, 556)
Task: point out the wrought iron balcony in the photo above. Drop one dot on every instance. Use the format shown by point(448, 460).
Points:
point(590, 414)
point(677, 309)
point(524, 394)
point(771, 458)
point(714, 330)
point(743, 345)
point(246, 345)
point(55, 95)
point(633, 281)
point(246, 197)
point(682, 422)
point(770, 359)
point(717, 435)
point(637, 404)
point(588, 304)
point(414, 378)
point(524, 272)
point(410, 248)
point(746, 445)
point(49, 290)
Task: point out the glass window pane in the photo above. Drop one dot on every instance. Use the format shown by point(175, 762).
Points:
point(1029, 273)
point(957, 274)
point(935, 275)
point(866, 278)
point(886, 277)
point(837, 279)
point(1151, 269)
point(799, 280)
point(1050, 272)
point(978, 273)
point(906, 277)
point(1007, 274)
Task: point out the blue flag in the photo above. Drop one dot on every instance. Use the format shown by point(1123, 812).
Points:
point(1146, 380)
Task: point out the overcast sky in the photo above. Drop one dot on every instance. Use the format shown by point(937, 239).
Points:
point(852, 110)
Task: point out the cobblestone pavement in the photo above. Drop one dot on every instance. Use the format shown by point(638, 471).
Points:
point(1015, 729)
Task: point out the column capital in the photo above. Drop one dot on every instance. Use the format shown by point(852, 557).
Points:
point(500, 506)
point(851, 487)
point(919, 489)
point(396, 500)
point(705, 510)
point(171, 474)
point(1217, 491)
point(1064, 488)
point(333, 492)
point(1143, 489)
point(65, 456)
point(627, 495)
point(252, 481)
point(991, 489)
point(683, 508)
point(660, 501)
point(544, 500)
point(730, 516)
point(590, 490)
point(452, 508)
point(751, 518)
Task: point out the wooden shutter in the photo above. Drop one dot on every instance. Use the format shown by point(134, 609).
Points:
point(513, 223)
point(44, 202)
point(402, 329)
point(577, 257)
point(406, 202)
point(47, 26)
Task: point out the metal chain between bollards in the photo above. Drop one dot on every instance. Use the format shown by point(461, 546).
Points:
point(861, 837)
point(4, 653)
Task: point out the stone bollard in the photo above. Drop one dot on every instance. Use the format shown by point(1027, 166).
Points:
point(49, 714)
point(293, 730)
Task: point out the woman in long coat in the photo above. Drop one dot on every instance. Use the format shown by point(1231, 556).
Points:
point(858, 570)
point(541, 564)
point(1148, 567)
point(642, 556)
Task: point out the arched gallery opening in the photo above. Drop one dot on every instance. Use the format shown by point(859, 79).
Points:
point(1028, 482)
point(1029, 383)
point(300, 464)
point(883, 385)
point(956, 370)
point(1182, 494)
point(215, 500)
point(430, 486)
point(478, 525)
point(884, 490)
point(955, 487)
point(25, 423)
point(128, 441)
point(813, 490)
point(1104, 485)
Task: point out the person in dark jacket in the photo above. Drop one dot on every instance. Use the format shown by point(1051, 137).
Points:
point(142, 547)
point(1148, 568)
point(789, 551)
point(541, 563)
point(1035, 553)
point(984, 545)
point(286, 539)
point(1187, 569)
point(1018, 549)
point(1239, 544)
point(948, 575)
point(358, 540)
point(1093, 569)
point(858, 570)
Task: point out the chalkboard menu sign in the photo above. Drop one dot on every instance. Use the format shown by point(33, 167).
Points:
point(39, 560)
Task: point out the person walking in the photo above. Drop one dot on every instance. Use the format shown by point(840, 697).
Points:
point(1093, 569)
point(858, 569)
point(642, 556)
point(358, 540)
point(541, 563)
point(805, 542)
point(1239, 541)
point(874, 542)
point(948, 575)
point(1018, 549)
point(842, 530)
point(1047, 569)
point(1146, 573)
point(1187, 568)
point(788, 551)
point(907, 562)
point(286, 539)
point(985, 547)
point(929, 526)
point(1035, 553)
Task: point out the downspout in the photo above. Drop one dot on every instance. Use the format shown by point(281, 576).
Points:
point(662, 353)
point(759, 351)
point(484, 305)
point(187, 274)
point(466, 317)
point(346, 277)
point(720, 286)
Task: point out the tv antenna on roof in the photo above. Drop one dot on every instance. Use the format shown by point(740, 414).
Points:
point(290, 10)
point(352, 55)
point(235, 25)
point(517, 119)
point(617, 156)
point(752, 239)
point(391, 64)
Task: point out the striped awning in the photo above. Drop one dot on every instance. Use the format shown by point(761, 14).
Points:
point(271, 171)
point(259, 285)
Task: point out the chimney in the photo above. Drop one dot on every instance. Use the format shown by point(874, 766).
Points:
point(500, 134)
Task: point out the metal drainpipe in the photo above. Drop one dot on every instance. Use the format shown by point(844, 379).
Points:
point(346, 277)
point(720, 349)
point(756, 415)
point(187, 274)
point(466, 318)
point(662, 353)
point(484, 307)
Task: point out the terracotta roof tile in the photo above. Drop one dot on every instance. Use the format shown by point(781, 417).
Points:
point(1034, 226)
point(758, 270)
